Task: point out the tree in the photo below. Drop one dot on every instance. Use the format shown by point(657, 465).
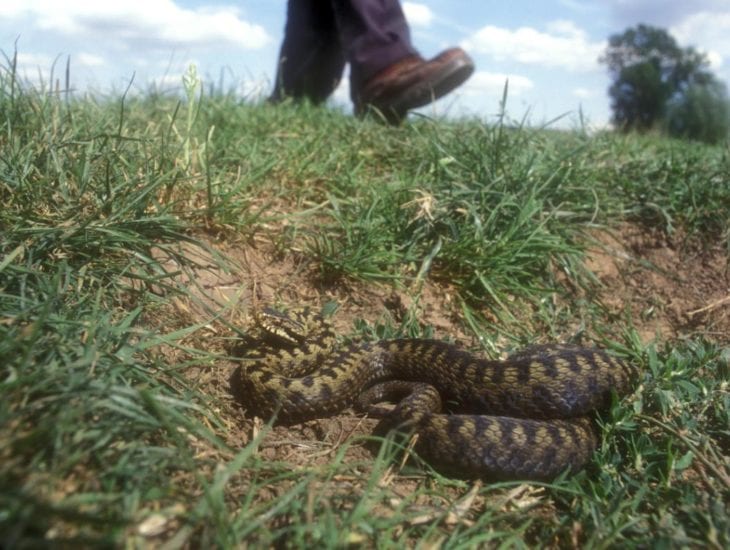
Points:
point(649, 69)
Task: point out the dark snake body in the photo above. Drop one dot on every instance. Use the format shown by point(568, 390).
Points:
point(523, 417)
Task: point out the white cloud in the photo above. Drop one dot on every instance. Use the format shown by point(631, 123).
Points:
point(89, 59)
point(150, 23)
point(418, 15)
point(715, 60)
point(567, 46)
point(9, 8)
point(34, 60)
point(584, 93)
point(707, 31)
point(486, 83)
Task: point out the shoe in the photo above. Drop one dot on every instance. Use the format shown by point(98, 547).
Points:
point(413, 82)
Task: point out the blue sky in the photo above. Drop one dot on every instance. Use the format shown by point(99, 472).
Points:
point(548, 49)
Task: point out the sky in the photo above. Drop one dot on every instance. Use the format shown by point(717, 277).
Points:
point(547, 50)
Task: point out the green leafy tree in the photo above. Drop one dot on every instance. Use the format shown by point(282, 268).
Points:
point(649, 70)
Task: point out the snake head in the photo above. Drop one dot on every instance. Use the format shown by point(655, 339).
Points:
point(285, 329)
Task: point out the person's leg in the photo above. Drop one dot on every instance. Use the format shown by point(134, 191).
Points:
point(374, 35)
point(386, 71)
point(311, 60)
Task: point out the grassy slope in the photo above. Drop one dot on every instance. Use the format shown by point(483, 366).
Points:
point(98, 433)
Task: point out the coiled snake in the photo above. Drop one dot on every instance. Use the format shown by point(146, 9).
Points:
point(526, 417)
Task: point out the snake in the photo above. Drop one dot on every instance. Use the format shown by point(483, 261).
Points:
point(529, 416)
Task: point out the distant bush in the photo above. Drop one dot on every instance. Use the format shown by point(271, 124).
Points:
point(701, 113)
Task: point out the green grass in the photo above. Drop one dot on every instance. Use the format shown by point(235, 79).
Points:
point(101, 434)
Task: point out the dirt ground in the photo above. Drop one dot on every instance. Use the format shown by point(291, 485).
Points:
point(676, 289)
point(672, 289)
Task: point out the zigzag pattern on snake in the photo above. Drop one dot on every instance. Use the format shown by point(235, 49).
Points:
point(525, 417)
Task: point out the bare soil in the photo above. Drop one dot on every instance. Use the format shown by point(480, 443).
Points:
point(674, 288)
point(668, 288)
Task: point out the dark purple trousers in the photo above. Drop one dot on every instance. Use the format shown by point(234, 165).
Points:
point(321, 36)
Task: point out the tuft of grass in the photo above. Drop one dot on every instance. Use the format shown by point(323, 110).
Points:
point(668, 184)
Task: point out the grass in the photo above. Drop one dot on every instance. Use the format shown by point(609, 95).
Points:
point(107, 439)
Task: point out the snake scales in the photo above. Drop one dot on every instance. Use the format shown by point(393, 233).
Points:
point(523, 417)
